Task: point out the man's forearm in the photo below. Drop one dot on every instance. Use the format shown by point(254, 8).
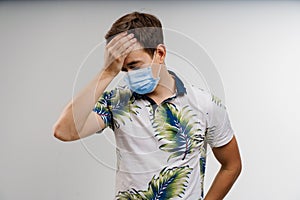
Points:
point(85, 100)
point(78, 109)
point(222, 183)
point(76, 114)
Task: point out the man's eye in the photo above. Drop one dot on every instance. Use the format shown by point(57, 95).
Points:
point(132, 67)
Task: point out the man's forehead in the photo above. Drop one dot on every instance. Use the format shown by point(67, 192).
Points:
point(136, 55)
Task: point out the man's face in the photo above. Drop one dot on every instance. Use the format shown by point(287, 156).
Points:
point(138, 59)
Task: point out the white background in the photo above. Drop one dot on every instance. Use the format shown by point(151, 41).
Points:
point(254, 45)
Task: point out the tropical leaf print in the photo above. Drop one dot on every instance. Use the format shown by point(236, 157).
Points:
point(209, 134)
point(170, 183)
point(202, 162)
point(217, 101)
point(119, 103)
point(203, 153)
point(176, 127)
point(202, 165)
point(130, 195)
point(102, 106)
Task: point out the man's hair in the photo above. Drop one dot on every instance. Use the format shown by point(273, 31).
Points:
point(147, 29)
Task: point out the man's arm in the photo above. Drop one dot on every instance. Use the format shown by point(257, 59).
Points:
point(77, 119)
point(231, 165)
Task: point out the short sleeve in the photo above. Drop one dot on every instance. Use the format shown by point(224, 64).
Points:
point(219, 131)
point(102, 108)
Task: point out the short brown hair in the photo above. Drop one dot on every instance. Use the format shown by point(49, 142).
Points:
point(147, 29)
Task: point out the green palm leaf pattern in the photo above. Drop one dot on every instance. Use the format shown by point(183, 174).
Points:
point(119, 103)
point(203, 153)
point(217, 101)
point(130, 195)
point(177, 128)
point(202, 163)
point(169, 184)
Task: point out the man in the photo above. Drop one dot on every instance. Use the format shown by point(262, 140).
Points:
point(161, 126)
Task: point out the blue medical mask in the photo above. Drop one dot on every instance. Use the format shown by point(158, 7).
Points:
point(142, 81)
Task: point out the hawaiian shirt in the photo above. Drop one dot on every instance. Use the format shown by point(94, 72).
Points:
point(161, 149)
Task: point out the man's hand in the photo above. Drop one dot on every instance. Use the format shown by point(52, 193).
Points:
point(116, 51)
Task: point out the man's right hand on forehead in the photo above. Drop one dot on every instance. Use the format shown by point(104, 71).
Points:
point(116, 51)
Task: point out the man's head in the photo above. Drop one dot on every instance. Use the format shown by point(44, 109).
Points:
point(147, 29)
point(147, 53)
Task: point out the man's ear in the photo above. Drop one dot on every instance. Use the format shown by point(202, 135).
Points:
point(161, 52)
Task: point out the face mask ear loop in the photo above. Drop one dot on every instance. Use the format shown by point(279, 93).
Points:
point(159, 66)
point(159, 71)
point(152, 60)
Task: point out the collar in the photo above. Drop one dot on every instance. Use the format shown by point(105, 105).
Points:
point(180, 89)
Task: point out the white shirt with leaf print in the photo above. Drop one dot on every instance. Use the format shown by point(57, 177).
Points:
point(161, 149)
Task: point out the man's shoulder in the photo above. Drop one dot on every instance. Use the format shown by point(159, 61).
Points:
point(197, 92)
point(119, 89)
point(198, 98)
point(118, 92)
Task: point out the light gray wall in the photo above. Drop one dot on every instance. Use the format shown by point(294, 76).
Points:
point(254, 45)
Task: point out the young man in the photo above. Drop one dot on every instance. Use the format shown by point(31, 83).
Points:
point(161, 126)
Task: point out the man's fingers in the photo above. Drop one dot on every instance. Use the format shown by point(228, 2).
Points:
point(123, 49)
point(122, 41)
point(116, 39)
point(126, 45)
point(129, 48)
point(120, 47)
point(119, 44)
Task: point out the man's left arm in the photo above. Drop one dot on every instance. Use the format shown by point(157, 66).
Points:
point(231, 165)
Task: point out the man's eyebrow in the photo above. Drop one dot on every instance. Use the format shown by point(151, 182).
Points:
point(133, 62)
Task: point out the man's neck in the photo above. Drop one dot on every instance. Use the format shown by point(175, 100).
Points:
point(165, 88)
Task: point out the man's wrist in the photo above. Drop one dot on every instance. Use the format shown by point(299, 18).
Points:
point(108, 74)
